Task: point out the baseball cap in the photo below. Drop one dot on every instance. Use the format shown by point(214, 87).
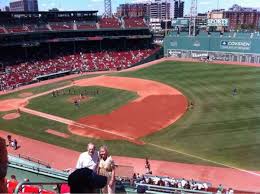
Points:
point(83, 179)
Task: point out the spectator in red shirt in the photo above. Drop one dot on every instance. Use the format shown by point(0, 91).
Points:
point(3, 166)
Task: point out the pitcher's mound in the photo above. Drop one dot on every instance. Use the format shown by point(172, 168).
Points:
point(11, 116)
point(25, 94)
point(82, 99)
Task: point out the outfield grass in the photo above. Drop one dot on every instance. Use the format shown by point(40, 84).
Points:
point(221, 127)
point(105, 101)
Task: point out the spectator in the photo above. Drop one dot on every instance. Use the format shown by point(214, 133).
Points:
point(85, 180)
point(9, 139)
point(25, 72)
point(107, 168)
point(147, 166)
point(230, 191)
point(3, 166)
point(88, 159)
point(11, 184)
point(14, 144)
point(220, 188)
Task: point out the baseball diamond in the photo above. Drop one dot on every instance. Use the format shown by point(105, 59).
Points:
point(100, 96)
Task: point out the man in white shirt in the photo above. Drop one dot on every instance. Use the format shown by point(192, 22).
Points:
point(88, 159)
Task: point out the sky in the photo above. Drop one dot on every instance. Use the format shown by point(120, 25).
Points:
point(68, 5)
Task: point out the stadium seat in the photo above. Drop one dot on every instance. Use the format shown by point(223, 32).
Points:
point(85, 26)
point(11, 185)
point(30, 189)
point(134, 23)
point(46, 192)
point(24, 73)
point(2, 30)
point(64, 189)
point(109, 23)
point(61, 26)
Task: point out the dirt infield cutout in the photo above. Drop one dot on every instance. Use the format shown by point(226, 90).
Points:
point(57, 133)
point(157, 107)
point(12, 104)
point(11, 116)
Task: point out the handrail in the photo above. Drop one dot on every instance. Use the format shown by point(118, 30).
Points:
point(19, 186)
point(151, 188)
point(39, 169)
point(34, 160)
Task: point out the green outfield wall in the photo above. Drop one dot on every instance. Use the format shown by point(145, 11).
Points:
point(229, 47)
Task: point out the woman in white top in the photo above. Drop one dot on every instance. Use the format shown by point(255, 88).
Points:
point(107, 168)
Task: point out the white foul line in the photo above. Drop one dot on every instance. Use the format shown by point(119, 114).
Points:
point(204, 159)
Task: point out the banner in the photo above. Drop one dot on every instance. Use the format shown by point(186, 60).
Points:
point(180, 22)
point(218, 22)
point(235, 45)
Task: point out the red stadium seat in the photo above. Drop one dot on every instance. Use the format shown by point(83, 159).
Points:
point(64, 189)
point(30, 189)
point(134, 23)
point(11, 185)
point(109, 23)
point(23, 73)
point(46, 192)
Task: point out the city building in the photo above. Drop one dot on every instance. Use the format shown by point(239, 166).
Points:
point(201, 20)
point(177, 8)
point(242, 18)
point(159, 10)
point(132, 10)
point(239, 18)
point(155, 24)
point(7, 8)
point(24, 5)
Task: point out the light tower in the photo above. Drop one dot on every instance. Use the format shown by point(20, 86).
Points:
point(193, 15)
point(108, 8)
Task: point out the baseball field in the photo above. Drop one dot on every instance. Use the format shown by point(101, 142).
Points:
point(220, 128)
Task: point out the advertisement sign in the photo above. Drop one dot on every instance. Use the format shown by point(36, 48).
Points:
point(218, 22)
point(199, 55)
point(173, 53)
point(180, 22)
point(235, 45)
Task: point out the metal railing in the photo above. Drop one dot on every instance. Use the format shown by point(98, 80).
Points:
point(162, 189)
point(35, 160)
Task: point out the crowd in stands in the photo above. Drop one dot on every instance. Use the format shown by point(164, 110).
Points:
point(13, 182)
point(171, 182)
point(18, 29)
point(112, 22)
point(86, 26)
point(2, 30)
point(77, 179)
point(103, 23)
point(61, 26)
point(26, 72)
point(134, 23)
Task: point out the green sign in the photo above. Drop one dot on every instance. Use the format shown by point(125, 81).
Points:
point(180, 22)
